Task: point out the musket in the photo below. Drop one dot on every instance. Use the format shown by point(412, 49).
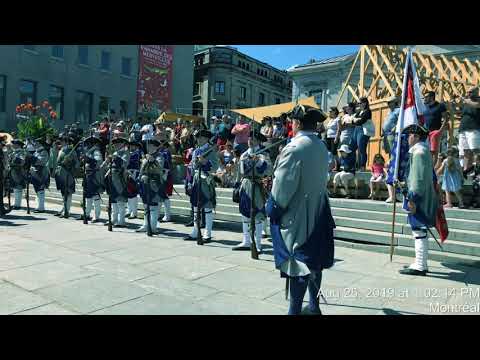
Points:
point(110, 181)
point(199, 188)
point(27, 175)
point(147, 196)
point(84, 194)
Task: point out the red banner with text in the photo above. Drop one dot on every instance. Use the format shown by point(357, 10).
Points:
point(154, 88)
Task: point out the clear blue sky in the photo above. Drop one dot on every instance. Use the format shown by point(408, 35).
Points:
point(285, 56)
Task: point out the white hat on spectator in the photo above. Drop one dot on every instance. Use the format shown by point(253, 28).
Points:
point(344, 148)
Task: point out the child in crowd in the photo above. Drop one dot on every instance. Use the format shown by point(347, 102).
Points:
point(476, 181)
point(347, 165)
point(378, 176)
point(452, 178)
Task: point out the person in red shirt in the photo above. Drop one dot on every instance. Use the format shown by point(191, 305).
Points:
point(104, 131)
point(289, 128)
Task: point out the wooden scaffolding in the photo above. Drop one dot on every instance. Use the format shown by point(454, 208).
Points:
point(377, 73)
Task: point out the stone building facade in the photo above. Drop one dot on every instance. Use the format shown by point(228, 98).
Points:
point(225, 79)
point(81, 81)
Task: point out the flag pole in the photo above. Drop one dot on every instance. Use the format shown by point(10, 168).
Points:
point(399, 142)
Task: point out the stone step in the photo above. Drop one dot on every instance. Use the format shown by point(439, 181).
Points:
point(345, 236)
point(381, 237)
point(433, 255)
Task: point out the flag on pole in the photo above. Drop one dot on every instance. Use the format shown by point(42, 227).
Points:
point(412, 108)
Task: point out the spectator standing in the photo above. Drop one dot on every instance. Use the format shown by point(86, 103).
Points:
point(364, 129)
point(267, 128)
point(331, 136)
point(346, 128)
point(241, 131)
point(469, 130)
point(388, 129)
point(452, 178)
point(435, 115)
point(476, 181)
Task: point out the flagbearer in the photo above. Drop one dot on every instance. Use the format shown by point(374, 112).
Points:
point(421, 199)
point(39, 172)
point(263, 168)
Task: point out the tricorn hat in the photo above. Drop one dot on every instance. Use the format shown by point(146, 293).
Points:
point(415, 129)
point(305, 113)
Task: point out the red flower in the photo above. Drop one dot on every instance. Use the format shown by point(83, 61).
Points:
point(53, 115)
point(17, 109)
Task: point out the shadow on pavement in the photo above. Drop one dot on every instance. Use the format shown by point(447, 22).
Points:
point(8, 223)
point(23, 217)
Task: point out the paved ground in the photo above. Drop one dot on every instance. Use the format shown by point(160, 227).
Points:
point(57, 266)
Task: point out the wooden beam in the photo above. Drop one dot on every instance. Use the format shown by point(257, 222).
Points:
point(440, 69)
point(362, 72)
point(466, 75)
point(352, 91)
point(390, 67)
point(450, 67)
point(425, 63)
point(349, 76)
point(372, 86)
point(473, 69)
point(380, 72)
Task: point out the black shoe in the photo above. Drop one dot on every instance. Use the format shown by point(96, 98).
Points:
point(190, 224)
point(16, 208)
point(38, 211)
point(414, 272)
point(96, 221)
point(121, 226)
point(58, 214)
point(408, 266)
point(307, 311)
point(189, 238)
point(207, 240)
point(241, 248)
point(66, 216)
point(88, 218)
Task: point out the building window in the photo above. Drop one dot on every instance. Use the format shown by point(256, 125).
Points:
point(123, 109)
point(243, 92)
point(28, 92)
point(105, 60)
point(239, 63)
point(278, 101)
point(83, 54)
point(55, 98)
point(219, 87)
point(126, 66)
point(57, 51)
point(83, 107)
point(248, 66)
point(103, 105)
point(3, 92)
point(198, 89)
point(261, 99)
point(30, 47)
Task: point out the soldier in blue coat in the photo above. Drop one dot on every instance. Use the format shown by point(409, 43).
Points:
point(95, 184)
point(263, 168)
point(133, 168)
point(299, 210)
point(39, 172)
point(168, 167)
point(202, 164)
point(17, 161)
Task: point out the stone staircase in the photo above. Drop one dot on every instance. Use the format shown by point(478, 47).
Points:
point(362, 224)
